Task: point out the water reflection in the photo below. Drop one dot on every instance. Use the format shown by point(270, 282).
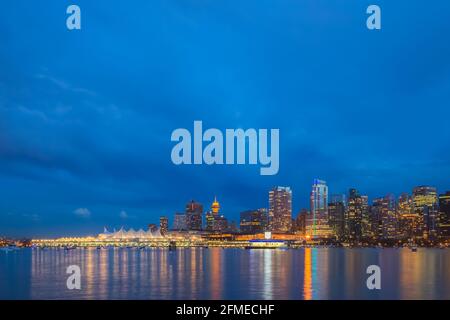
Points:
point(267, 284)
point(307, 278)
point(215, 273)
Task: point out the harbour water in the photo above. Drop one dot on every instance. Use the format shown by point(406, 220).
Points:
point(215, 273)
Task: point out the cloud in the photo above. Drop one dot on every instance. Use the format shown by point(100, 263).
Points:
point(82, 212)
point(64, 85)
point(123, 214)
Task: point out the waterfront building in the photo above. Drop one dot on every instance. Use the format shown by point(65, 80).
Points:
point(131, 234)
point(336, 215)
point(388, 218)
point(425, 203)
point(356, 209)
point(163, 225)
point(408, 219)
point(384, 218)
point(317, 225)
point(253, 221)
point(220, 224)
point(179, 222)
point(376, 211)
point(300, 222)
point(209, 221)
point(444, 215)
point(194, 213)
point(280, 209)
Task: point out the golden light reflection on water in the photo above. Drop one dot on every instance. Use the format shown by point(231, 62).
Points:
point(217, 273)
point(307, 275)
point(420, 273)
point(216, 276)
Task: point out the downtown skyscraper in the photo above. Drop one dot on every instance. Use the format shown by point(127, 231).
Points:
point(336, 215)
point(444, 215)
point(357, 215)
point(384, 218)
point(425, 201)
point(194, 212)
point(280, 209)
point(317, 224)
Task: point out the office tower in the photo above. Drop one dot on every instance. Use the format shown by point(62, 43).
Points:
point(152, 227)
point(319, 200)
point(232, 227)
point(336, 215)
point(214, 220)
point(280, 209)
point(163, 225)
point(300, 222)
point(220, 224)
point(408, 220)
point(209, 221)
point(179, 222)
point(425, 203)
point(194, 212)
point(388, 218)
point(366, 227)
point(357, 209)
point(376, 211)
point(444, 215)
point(317, 223)
point(253, 221)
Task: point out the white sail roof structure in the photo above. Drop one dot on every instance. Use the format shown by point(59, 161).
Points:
point(130, 234)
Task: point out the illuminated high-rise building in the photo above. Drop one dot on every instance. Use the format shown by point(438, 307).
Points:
point(317, 223)
point(194, 212)
point(336, 215)
point(280, 209)
point(179, 222)
point(300, 222)
point(387, 218)
point(444, 215)
point(253, 221)
point(376, 212)
point(425, 203)
point(319, 200)
point(366, 228)
point(408, 220)
point(357, 209)
point(214, 220)
point(163, 225)
point(215, 207)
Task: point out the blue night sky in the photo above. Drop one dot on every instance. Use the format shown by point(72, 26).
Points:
point(86, 116)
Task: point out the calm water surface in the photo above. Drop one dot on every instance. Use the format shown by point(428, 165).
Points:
point(215, 273)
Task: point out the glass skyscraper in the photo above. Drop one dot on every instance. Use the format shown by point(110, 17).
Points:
point(317, 224)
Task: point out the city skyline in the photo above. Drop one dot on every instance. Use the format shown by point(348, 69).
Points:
point(320, 225)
